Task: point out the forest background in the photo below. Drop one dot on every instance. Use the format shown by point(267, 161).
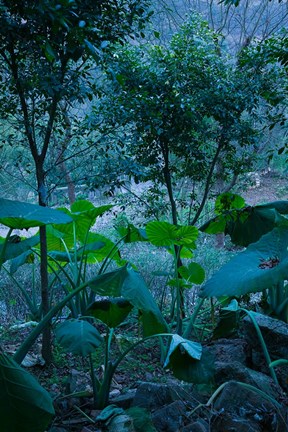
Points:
point(153, 110)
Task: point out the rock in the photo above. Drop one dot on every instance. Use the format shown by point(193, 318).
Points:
point(114, 393)
point(78, 381)
point(228, 423)
point(121, 423)
point(230, 350)
point(153, 396)
point(125, 400)
point(274, 332)
point(239, 407)
point(170, 418)
point(198, 426)
point(237, 372)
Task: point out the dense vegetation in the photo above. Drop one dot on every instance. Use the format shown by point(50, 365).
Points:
point(164, 127)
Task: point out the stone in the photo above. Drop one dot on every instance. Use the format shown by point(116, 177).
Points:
point(237, 372)
point(121, 423)
point(125, 400)
point(230, 350)
point(170, 418)
point(153, 396)
point(242, 406)
point(78, 381)
point(198, 426)
point(274, 332)
point(228, 423)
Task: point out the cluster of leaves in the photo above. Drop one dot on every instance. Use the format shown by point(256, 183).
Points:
point(263, 265)
point(184, 111)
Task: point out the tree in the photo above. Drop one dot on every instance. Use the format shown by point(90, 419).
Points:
point(237, 22)
point(45, 49)
point(189, 109)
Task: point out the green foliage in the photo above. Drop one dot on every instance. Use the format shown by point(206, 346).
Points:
point(193, 273)
point(245, 224)
point(111, 312)
point(165, 234)
point(78, 337)
point(20, 250)
point(189, 361)
point(261, 266)
point(228, 321)
point(25, 405)
point(19, 215)
point(127, 283)
point(182, 111)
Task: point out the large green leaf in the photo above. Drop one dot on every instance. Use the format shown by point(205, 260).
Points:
point(56, 238)
point(19, 215)
point(261, 266)
point(228, 201)
point(280, 206)
point(83, 251)
point(228, 321)
point(27, 257)
point(189, 361)
point(99, 254)
point(132, 234)
point(166, 234)
point(135, 290)
point(111, 312)
point(192, 273)
point(194, 349)
point(128, 284)
point(84, 215)
point(78, 337)
point(247, 225)
point(25, 406)
point(109, 284)
point(13, 250)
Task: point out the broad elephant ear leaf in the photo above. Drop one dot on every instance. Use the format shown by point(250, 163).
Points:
point(25, 406)
point(111, 312)
point(78, 337)
point(84, 215)
point(14, 250)
point(27, 257)
point(19, 215)
point(166, 234)
point(248, 224)
point(228, 321)
point(189, 361)
point(135, 290)
point(132, 234)
point(192, 273)
point(128, 284)
point(261, 266)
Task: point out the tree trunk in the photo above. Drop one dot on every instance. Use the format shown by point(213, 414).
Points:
point(46, 335)
point(180, 300)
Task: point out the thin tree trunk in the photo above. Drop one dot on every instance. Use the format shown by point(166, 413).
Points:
point(180, 301)
point(46, 335)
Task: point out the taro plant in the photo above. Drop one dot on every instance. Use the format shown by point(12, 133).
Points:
point(73, 248)
point(25, 405)
point(263, 265)
point(179, 241)
point(123, 290)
